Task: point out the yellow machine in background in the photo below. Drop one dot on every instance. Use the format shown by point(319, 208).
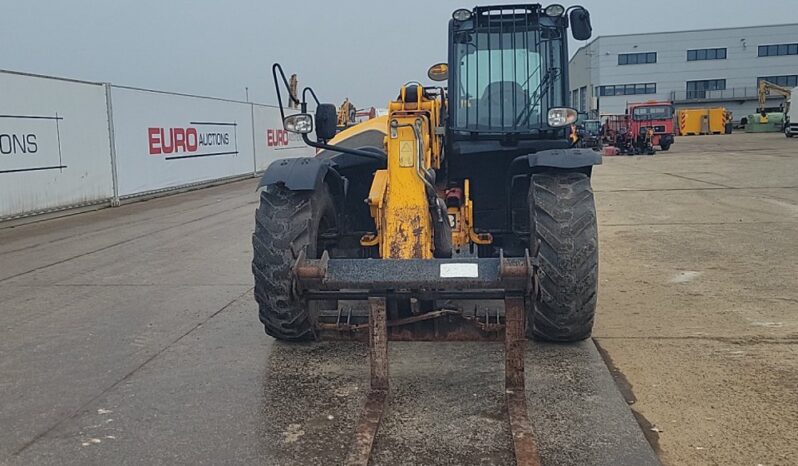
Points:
point(697, 121)
point(767, 88)
point(346, 114)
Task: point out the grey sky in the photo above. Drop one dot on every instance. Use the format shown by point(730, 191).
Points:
point(363, 50)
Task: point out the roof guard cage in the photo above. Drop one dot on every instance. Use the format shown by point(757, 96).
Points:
point(507, 10)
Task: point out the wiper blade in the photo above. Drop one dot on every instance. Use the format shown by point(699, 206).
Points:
point(540, 92)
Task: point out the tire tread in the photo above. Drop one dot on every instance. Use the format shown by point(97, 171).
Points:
point(282, 229)
point(563, 218)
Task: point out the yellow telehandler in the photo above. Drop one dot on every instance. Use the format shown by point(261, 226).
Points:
point(465, 213)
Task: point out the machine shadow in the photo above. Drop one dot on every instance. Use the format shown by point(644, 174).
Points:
point(446, 403)
point(312, 397)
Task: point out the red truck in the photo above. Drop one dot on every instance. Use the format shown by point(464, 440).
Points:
point(643, 126)
point(655, 116)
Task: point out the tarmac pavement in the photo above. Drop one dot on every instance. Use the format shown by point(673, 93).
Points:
point(130, 336)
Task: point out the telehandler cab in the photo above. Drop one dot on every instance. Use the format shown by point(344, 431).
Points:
point(464, 213)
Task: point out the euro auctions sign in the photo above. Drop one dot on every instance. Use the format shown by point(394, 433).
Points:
point(280, 138)
point(197, 139)
point(30, 143)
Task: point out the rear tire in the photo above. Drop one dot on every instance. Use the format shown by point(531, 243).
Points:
point(665, 147)
point(562, 215)
point(286, 222)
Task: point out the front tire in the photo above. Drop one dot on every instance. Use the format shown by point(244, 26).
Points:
point(562, 215)
point(286, 222)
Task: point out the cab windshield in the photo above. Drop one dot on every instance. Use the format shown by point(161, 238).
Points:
point(658, 112)
point(505, 82)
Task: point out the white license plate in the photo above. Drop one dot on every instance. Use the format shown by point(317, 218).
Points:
point(459, 271)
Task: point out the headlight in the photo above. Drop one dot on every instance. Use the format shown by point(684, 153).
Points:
point(301, 123)
point(559, 117)
point(461, 14)
point(554, 10)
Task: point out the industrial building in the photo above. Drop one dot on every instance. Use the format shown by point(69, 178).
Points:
point(698, 68)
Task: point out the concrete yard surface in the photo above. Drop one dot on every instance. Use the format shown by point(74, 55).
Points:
point(446, 405)
point(698, 300)
point(129, 336)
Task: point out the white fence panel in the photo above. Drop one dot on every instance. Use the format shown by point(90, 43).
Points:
point(272, 142)
point(54, 144)
point(169, 140)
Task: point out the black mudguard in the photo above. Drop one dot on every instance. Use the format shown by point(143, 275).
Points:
point(306, 174)
point(567, 159)
point(298, 174)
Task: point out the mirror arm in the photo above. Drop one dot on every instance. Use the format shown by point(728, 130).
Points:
point(305, 91)
point(303, 105)
point(357, 152)
point(275, 68)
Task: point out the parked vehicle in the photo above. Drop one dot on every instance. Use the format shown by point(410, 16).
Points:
point(473, 192)
point(589, 134)
point(791, 125)
point(641, 128)
point(655, 116)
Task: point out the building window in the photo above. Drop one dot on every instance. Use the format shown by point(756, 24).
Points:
point(637, 58)
point(698, 89)
point(706, 54)
point(583, 99)
point(785, 81)
point(627, 89)
point(574, 97)
point(778, 50)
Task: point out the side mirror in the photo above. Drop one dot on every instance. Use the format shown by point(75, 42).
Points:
point(301, 123)
point(581, 28)
point(439, 72)
point(326, 121)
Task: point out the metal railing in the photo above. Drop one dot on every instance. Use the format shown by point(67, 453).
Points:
point(743, 93)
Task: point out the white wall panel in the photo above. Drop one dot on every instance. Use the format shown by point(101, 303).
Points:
point(272, 142)
point(54, 144)
point(169, 140)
